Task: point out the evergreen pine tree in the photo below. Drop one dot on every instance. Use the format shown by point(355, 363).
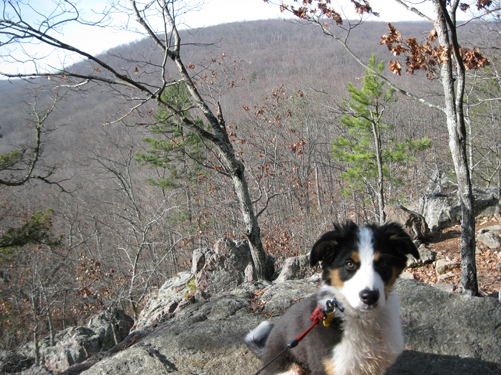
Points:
point(370, 150)
point(172, 148)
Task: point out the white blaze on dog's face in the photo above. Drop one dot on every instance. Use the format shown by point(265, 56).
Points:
point(361, 264)
point(363, 287)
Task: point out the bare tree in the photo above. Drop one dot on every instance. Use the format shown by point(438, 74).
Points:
point(134, 220)
point(23, 164)
point(145, 84)
point(452, 60)
point(38, 274)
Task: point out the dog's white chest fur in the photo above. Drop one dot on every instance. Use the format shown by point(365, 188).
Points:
point(370, 343)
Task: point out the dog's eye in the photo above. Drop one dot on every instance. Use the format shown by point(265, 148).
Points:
point(350, 265)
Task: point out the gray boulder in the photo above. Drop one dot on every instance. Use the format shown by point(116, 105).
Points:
point(295, 268)
point(77, 344)
point(237, 251)
point(112, 326)
point(204, 338)
point(213, 271)
point(425, 256)
point(219, 273)
point(198, 260)
point(38, 370)
point(281, 296)
point(445, 333)
point(225, 267)
point(160, 306)
point(11, 362)
point(413, 223)
point(73, 345)
point(438, 182)
point(490, 237)
point(486, 200)
point(442, 210)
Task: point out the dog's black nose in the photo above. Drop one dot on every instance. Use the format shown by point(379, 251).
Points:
point(369, 297)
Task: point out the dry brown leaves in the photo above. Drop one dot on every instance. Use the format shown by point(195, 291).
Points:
point(447, 246)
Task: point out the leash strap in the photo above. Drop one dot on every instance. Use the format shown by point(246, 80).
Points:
point(316, 317)
point(319, 315)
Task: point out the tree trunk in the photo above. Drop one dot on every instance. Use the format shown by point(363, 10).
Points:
point(63, 317)
point(317, 185)
point(252, 231)
point(52, 331)
point(453, 97)
point(114, 324)
point(236, 168)
point(380, 180)
point(36, 347)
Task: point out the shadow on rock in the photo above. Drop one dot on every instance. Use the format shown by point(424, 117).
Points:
point(416, 363)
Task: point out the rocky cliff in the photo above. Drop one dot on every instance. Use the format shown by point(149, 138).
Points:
point(186, 329)
point(445, 333)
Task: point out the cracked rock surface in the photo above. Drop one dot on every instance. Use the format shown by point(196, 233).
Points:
point(445, 333)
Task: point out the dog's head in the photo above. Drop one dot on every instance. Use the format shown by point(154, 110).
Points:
point(361, 264)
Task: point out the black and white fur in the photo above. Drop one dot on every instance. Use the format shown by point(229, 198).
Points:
point(360, 266)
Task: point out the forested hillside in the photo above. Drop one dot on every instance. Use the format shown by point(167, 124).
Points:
point(130, 199)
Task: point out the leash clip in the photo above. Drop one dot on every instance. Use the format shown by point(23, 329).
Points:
point(330, 307)
point(334, 304)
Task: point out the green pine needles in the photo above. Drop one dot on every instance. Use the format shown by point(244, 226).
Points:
point(37, 230)
point(371, 150)
point(173, 149)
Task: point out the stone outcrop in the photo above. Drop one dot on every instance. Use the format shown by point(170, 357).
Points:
point(195, 323)
point(11, 362)
point(490, 237)
point(112, 326)
point(296, 268)
point(425, 256)
point(447, 333)
point(438, 182)
point(442, 210)
point(413, 223)
point(225, 267)
point(213, 271)
point(160, 306)
point(206, 337)
point(72, 345)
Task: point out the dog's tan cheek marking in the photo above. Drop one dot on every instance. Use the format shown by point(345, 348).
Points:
point(394, 277)
point(328, 366)
point(335, 279)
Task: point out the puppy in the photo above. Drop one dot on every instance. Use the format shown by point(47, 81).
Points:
point(359, 268)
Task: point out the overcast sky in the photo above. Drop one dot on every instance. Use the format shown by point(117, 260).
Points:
point(212, 12)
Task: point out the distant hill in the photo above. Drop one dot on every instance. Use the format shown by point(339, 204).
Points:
point(269, 54)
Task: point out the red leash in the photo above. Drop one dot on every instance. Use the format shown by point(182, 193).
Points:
point(316, 317)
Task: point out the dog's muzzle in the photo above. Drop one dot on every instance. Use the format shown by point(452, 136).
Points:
point(370, 298)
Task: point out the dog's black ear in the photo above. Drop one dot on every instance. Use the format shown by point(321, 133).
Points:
point(400, 238)
point(326, 247)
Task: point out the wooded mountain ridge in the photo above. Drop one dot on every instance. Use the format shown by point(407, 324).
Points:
point(268, 54)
